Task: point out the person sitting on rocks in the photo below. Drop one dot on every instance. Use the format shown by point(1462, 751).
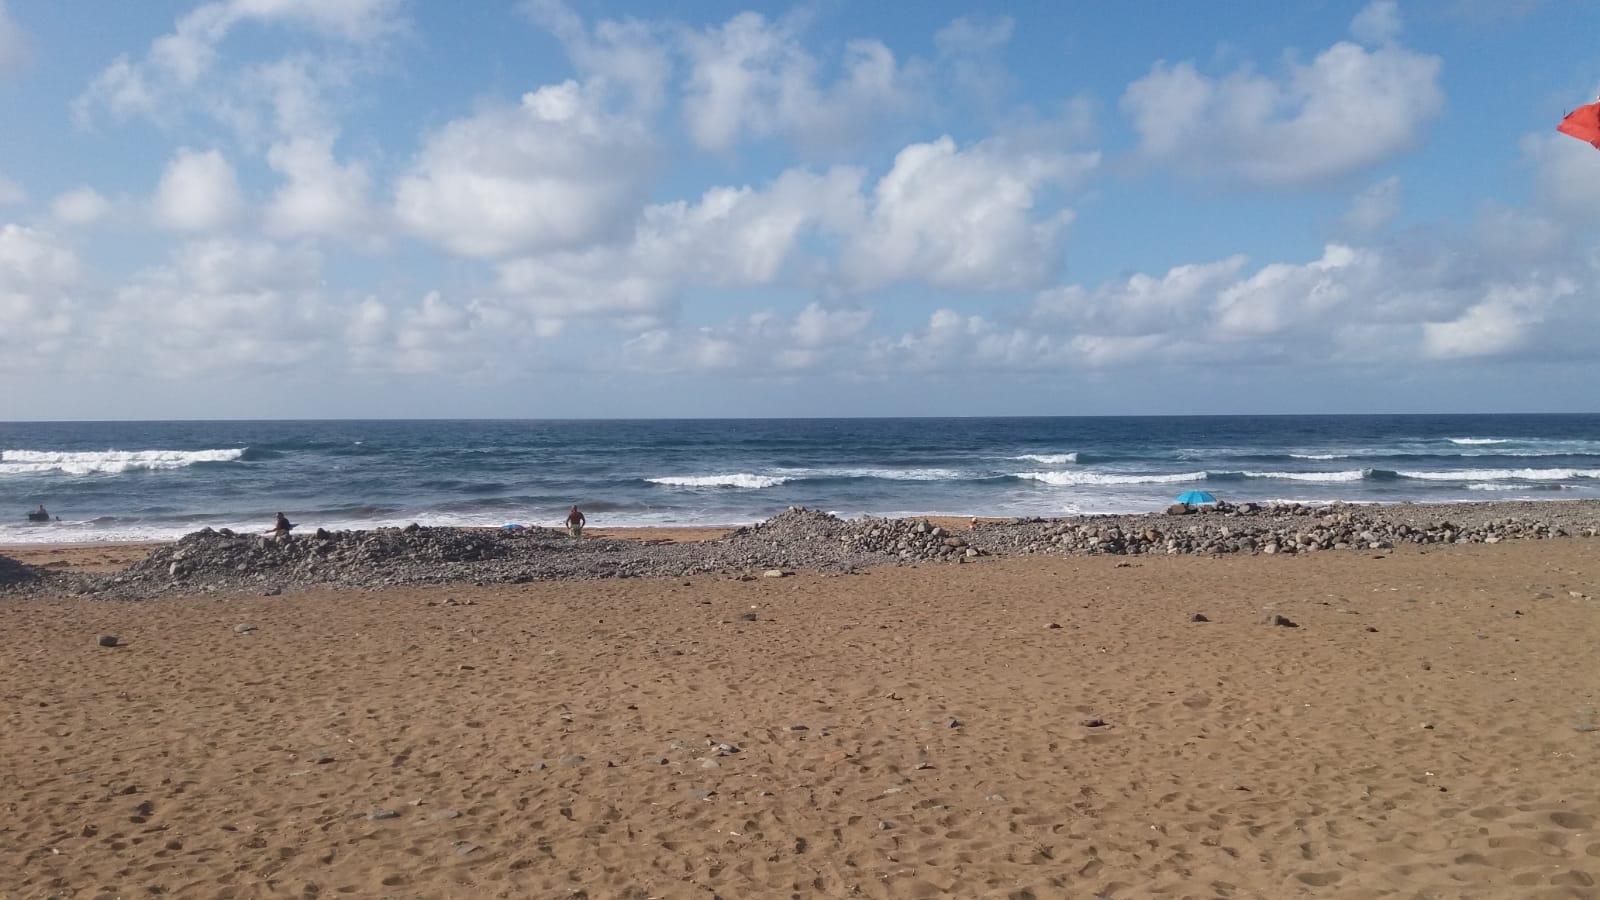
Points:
point(283, 526)
point(576, 521)
point(39, 515)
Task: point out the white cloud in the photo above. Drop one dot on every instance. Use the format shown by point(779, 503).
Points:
point(1503, 322)
point(762, 343)
point(1141, 304)
point(11, 192)
point(198, 192)
point(222, 307)
point(1374, 207)
point(320, 196)
point(1349, 109)
point(1377, 22)
point(551, 173)
point(752, 78)
point(180, 63)
point(38, 279)
point(630, 57)
point(15, 48)
point(80, 206)
point(964, 218)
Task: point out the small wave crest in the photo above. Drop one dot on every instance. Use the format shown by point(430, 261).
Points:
point(734, 480)
point(1473, 442)
point(1321, 477)
point(1048, 459)
point(107, 462)
point(1323, 456)
point(1501, 474)
point(1072, 479)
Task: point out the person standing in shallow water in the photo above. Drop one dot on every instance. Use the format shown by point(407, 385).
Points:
point(575, 521)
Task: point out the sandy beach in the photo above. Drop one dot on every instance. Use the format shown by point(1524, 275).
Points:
point(1047, 727)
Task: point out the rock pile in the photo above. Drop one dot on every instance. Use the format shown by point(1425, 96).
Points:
point(799, 539)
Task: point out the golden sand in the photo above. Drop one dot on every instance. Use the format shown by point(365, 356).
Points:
point(1013, 728)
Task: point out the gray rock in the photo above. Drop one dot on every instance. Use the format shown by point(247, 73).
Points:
point(243, 628)
point(465, 848)
point(1282, 621)
point(572, 760)
point(380, 814)
point(701, 794)
point(108, 640)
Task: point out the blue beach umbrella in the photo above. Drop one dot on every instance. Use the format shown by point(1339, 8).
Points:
point(1195, 498)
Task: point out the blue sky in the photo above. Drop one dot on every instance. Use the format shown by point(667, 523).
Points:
point(335, 208)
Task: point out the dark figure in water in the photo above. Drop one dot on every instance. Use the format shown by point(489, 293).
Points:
point(39, 515)
point(283, 525)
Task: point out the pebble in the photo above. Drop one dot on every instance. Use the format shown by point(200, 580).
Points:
point(1199, 617)
point(954, 723)
point(218, 562)
point(710, 764)
point(747, 617)
point(702, 794)
point(996, 798)
point(444, 814)
point(885, 826)
point(1094, 723)
point(380, 814)
point(243, 628)
point(572, 760)
point(466, 848)
point(1282, 621)
point(322, 757)
point(108, 640)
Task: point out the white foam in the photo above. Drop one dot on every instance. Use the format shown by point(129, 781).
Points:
point(733, 480)
point(1321, 477)
point(106, 462)
point(886, 474)
point(1502, 474)
point(1049, 459)
point(1475, 441)
point(1320, 455)
point(1069, 479)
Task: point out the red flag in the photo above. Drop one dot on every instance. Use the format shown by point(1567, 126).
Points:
point(1583, 123)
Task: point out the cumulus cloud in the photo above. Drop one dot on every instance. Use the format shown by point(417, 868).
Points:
point(15, 48)
point(320, 196)
point(629, 57)
point(80, 206)
point(222, 306)
point(176, 63)
point(1141, 304)
point(553, 172)
point(765, 342)
point(38, 279)
point(752, 78)
point(198, 191)
point(966, 219)
point(1377, 23)
point(1347, 110)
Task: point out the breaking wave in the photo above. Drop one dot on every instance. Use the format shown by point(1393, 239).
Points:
point(734, 480)
point(1068, 479)
point(108, 462)
point(1048, 459)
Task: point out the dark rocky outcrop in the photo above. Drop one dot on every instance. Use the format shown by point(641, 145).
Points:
point(799, 539)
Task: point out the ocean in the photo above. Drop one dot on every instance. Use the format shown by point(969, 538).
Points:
point(133, 481)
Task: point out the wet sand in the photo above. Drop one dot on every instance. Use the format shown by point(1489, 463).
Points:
point(1046, 727)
